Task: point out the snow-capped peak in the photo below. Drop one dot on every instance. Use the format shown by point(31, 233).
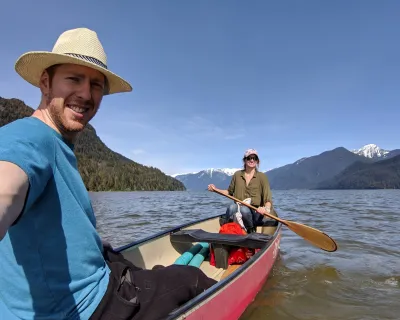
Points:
point(228, 171)
point(210, 171)
point(371, 151)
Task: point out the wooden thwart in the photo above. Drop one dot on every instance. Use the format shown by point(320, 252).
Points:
point(230, 270)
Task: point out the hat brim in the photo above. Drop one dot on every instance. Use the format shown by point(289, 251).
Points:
point(250, 154)
point(31, 65)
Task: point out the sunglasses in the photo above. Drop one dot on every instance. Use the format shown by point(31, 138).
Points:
point(249, 158)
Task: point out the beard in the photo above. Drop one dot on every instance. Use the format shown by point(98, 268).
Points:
point(67, 125)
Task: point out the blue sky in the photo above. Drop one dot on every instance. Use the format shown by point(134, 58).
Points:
point(213, 78)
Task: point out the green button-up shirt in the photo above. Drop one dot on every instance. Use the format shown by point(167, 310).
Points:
point(258, 189)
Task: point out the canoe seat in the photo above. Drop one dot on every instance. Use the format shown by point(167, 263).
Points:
point(252, 240)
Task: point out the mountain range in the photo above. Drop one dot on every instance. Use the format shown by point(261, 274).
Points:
point(105, 170)
point(383, 174)
point(338, 168)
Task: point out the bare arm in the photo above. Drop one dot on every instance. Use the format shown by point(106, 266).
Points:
point(224, 191)
point(14, 185)
point(211, 187)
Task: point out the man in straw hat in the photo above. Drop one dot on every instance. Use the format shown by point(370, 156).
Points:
point(53, 264)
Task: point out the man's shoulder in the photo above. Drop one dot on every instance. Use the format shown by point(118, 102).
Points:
point(23, 124)
point(28, 129)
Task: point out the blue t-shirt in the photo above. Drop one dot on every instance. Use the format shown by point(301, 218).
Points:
point(51, 262)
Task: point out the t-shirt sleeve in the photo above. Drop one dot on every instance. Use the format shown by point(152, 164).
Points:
point(34, 155)
point(231, 188)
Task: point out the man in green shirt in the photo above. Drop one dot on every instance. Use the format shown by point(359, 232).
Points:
point(251, 184)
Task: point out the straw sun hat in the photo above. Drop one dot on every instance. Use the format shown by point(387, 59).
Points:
point(78, 46)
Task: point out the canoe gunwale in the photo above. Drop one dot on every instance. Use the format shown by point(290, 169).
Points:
point(222, 283)
point(164, 233)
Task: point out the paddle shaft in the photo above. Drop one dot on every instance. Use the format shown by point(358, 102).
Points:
point(250, 206)
point(314, 236)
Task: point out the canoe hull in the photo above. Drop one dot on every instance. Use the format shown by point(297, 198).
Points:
point(233, 293)
point(232, 299)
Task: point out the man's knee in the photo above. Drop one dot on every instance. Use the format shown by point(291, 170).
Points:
point(203, 281)
point(193, 278)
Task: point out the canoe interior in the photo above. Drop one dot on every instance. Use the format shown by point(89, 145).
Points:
point(159, 250)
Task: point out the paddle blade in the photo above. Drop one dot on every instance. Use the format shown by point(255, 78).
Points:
point(314, 236)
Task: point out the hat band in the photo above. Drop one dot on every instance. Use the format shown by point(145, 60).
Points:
point(87, 58)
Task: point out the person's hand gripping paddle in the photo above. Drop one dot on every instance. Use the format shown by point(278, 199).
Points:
point(312, 235)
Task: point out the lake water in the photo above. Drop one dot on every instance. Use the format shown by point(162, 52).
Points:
point(360, 281)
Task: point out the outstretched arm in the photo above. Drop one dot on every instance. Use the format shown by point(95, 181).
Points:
point(14, 186)
point(211, 187)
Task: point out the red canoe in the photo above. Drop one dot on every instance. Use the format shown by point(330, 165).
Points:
point(237, 285)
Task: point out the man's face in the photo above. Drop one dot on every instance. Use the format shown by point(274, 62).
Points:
point(73, 96)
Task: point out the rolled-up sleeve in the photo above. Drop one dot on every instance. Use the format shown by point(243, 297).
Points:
point(267, 196)
point(231, 188)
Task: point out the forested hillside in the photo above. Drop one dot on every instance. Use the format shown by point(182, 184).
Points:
point(384, 174)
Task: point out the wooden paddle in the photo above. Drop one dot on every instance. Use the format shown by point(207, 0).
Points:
point(314, 236)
